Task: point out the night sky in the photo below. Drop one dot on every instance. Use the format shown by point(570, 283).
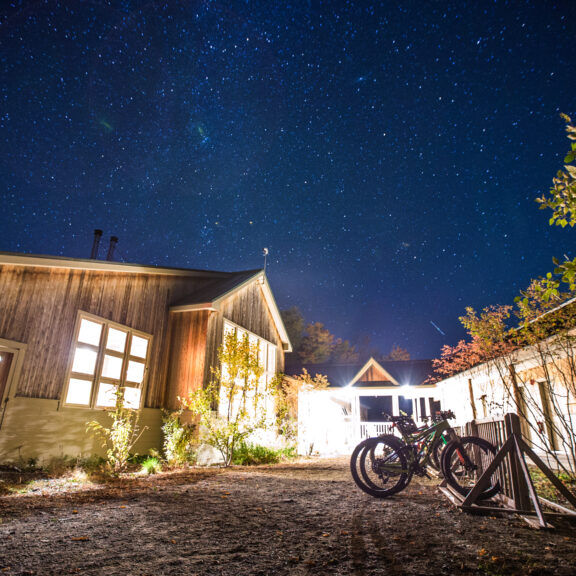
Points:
point(387, 154)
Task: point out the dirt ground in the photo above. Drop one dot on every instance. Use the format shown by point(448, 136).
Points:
point(306, 517)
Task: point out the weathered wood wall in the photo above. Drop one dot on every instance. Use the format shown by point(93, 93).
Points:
point(374, 374)
point(39, 307)
point(187, 352)
point(248, 309)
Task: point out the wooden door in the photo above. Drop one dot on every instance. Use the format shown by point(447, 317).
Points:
point(5, 364)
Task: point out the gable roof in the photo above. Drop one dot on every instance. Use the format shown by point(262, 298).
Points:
point(220, 284)
point(211, 296)
point(43, 261)
point(213, 293)
point(390, 373)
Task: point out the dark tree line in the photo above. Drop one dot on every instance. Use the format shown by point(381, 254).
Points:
point(313, 343)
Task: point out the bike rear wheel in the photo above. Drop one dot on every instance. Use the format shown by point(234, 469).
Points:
point(464, 461)
point(379, 466)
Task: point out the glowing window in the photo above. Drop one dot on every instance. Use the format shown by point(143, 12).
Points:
point(132, 397)
point(106, 395)
point(90, 332)
point(107, 359)
point(85, 361)
point(116, 340)
point(135, 372)
point(112, 367)
point(139, 347)
point(79, 392)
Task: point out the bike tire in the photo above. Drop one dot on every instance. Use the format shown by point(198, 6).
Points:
point(436, 455)
point(463, 478)
point(379, 466)
point(359, 472)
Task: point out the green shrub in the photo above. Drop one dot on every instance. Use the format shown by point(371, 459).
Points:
point(178, 437)
point(121, 436)
point(151, 465)
point(248, 454)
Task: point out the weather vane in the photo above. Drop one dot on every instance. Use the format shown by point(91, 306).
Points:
point(265, 254)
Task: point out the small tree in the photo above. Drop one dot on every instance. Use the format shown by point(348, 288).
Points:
point(541, 395)
point(550, 390)
point(562, 201)
point(287, 390)
point(234, 405)
point(177, 442)
point(120, 437)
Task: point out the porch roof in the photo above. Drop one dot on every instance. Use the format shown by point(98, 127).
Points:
point(401, 373)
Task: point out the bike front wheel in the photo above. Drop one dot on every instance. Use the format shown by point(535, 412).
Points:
point(379, 466)
point(464, 461)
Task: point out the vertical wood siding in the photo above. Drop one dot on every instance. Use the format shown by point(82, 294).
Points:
point(374, 374)
point(39, 306)
point(248, 309)
point(187, 354)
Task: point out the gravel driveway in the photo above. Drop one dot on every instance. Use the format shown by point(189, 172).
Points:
point(300, 518)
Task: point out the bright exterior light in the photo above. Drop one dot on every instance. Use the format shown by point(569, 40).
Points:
point(407, 391)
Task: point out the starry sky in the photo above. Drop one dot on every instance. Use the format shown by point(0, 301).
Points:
point(387, 154)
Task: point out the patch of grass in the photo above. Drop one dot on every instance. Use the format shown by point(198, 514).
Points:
point(151, 465)
point(248, 454)
point(546, 489)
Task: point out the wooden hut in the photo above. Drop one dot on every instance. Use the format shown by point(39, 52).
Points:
point(73, 331)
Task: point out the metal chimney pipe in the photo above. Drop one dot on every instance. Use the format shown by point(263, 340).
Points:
point(113, 242)
point(96, 244)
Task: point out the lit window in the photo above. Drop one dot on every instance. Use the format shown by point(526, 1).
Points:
point(116, 340)
point(139, 347)
point(108, 360)
point(78, 391)
point(85, 361)
point(90, 332)
point(135, 372)
point(106, 395)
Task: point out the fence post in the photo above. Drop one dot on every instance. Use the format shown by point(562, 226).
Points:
point(472, 428)
point(518, 484)
point(472, 402)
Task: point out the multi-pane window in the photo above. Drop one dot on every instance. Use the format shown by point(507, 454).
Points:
point(108, 359)
point(266, 350)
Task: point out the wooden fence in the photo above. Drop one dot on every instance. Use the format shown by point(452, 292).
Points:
point(518, 494)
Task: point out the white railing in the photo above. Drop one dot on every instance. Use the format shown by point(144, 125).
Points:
point(371, 429)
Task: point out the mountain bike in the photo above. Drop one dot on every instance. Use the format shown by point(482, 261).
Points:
point(384, 465)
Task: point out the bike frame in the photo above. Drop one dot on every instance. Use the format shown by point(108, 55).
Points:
point(422, 443)
point(425, 439)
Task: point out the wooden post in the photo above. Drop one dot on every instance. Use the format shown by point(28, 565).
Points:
point(520, 493)
point(472, 428)
point(472, 402)
point(518, 400)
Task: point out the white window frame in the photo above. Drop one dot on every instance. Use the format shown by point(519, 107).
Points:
point(95, 380)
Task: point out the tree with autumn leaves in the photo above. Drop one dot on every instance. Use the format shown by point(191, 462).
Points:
point(545, 321)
